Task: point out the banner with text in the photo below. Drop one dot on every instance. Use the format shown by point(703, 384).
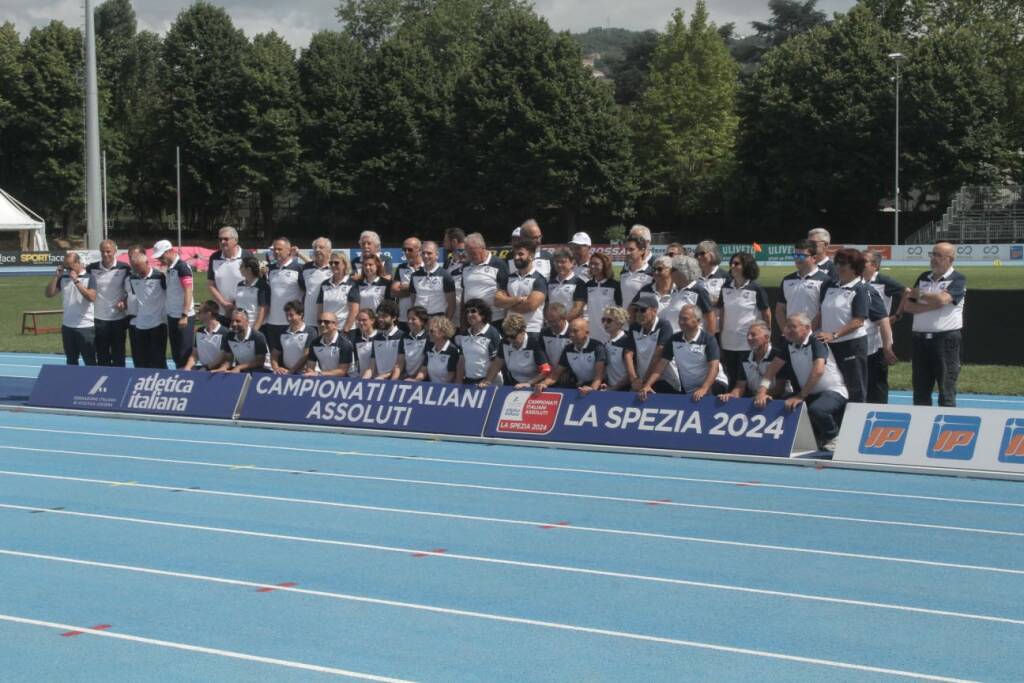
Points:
point(674, 423)
point(925, 436)
point(130, 390)
point(423, 407)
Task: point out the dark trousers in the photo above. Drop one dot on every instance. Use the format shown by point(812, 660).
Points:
point(936, 359)
point(133, 340)
point(110, 342)
point(182, 339)
point(825, 411)
point(273, 334)
point(732, 363)
point(79, 342)
point(152, 348)
point(852, 359)
point(878, 378)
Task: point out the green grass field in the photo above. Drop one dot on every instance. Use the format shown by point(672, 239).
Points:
point(26, 293)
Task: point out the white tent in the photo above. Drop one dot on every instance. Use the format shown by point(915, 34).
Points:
point(16, 216)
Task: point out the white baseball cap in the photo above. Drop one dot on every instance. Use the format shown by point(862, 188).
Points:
point(161, 247)
point(580, 238)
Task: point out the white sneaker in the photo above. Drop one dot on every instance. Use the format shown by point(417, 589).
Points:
point(829, 446)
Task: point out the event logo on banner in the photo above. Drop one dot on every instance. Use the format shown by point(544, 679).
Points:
point(674, 423)
point(953, 437)
point(422, 407)
point(156, 392)
point(884, 433)
point(526, 412)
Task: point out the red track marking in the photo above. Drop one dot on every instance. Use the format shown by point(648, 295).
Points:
point(748, 483)
point(659, 501)
point(552, 526)
point(98, 627)
point(818, 466)
point(268, 589)
point(435, 551)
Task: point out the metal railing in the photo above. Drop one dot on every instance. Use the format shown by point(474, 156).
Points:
point(978, 214)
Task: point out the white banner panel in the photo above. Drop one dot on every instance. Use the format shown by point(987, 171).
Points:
point(983, 253)
point(990, 441)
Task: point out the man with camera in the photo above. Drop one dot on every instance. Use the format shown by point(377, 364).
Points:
point(78, 329)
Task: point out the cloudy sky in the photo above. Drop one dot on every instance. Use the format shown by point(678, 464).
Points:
point(296, 20)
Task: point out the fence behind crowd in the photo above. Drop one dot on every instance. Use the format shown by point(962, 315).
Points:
point(618, 421)
point(898, 437)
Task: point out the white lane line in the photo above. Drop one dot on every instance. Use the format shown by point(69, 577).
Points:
point(574, 527)
point(598, 572)
point(544, 624)
point(484, 463)
point(542, 492)
point(231, 654)
point(34, 366)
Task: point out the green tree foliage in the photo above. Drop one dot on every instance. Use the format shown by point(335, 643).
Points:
point(10, 96)
point(685, 124)
point(789, 18)
point(205, 81)
point(629, 72)
point(333, 120)
point(48, 124)
point(537, 130)
point(372, 22)
point(271, 106)
point(818, 124)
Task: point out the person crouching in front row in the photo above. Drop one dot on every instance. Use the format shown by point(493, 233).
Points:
point(243, 349)
point(697, 359)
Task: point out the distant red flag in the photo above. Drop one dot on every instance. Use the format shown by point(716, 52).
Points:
point(757, 248)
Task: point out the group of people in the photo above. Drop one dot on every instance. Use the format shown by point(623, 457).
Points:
point(674, 323)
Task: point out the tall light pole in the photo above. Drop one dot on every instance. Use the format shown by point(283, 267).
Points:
point(897, 57)
point(93, 200)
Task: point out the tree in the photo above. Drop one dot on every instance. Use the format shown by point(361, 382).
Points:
point(789, 18)
point(537, 130)
point(48, 123)
point(818, 125)
point(204, 79)
point(630, 71)
point(271, 107)
point(372, 22)
point(10, 96)
point(685, 124)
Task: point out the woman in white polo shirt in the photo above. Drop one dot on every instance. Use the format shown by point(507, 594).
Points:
point(602, 291)
point(845, 307)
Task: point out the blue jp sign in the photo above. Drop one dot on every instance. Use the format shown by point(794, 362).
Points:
point(130, 390)
point(422, 407)
point(662, 422)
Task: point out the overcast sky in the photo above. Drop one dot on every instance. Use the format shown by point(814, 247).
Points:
point(296, 20)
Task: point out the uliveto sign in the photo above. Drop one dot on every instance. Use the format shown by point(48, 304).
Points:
point(157, 392)
point(673, 423)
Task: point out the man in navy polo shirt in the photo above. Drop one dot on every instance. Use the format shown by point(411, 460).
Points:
point(245, 349)
point(937, 304)
point(582, 364)
point(78, 331)
point(180, 315)
point(697, 359)
point(107, 279)
point(331, 352)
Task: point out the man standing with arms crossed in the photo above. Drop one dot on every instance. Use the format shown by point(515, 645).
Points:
point(223, 272)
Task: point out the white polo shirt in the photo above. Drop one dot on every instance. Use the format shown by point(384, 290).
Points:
point(523, 361)
point(949, 317)
point(713, 283)
point(226, 273)
point(524, 285)
point(331, 353)
point(412, 348)
point(78, 311)
point(582, 361)
point(441, 362)
point(313, 276)
point(566, 292)
point(632, 281)
point(600, 295)
point(245, 349)
point(615, 349)
point(478, 349)
point(285, 280)
point(754, 370)
point(386, 347)
point(179, 276)
point(150, 294)
point(336, 297)
point(802, 294)
point(362, 347)
point(430, 289)
point(740, 306)
point(250, 297)
point(555, 341)
point(403, 273)
point(292, 344)
point(209, 342)
point(842, 303)
point(800, 359)
point(645, 343)
point(482, 281)
point(109, 285)
point(692, 358)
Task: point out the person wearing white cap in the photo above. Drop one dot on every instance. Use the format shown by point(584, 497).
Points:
point(580, 246)
point(180, 316)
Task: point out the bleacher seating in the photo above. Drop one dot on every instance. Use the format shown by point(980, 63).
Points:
point(978, 215)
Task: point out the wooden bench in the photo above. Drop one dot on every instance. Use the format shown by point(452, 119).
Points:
point(34, 328)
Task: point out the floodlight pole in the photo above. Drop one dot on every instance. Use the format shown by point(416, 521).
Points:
point(177, 158)
point(93, 205)
point(105, 234)
point(897, 57)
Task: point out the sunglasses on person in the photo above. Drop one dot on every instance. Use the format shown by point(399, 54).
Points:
point(800, 257)
point(607, 320)
point(327, 322)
